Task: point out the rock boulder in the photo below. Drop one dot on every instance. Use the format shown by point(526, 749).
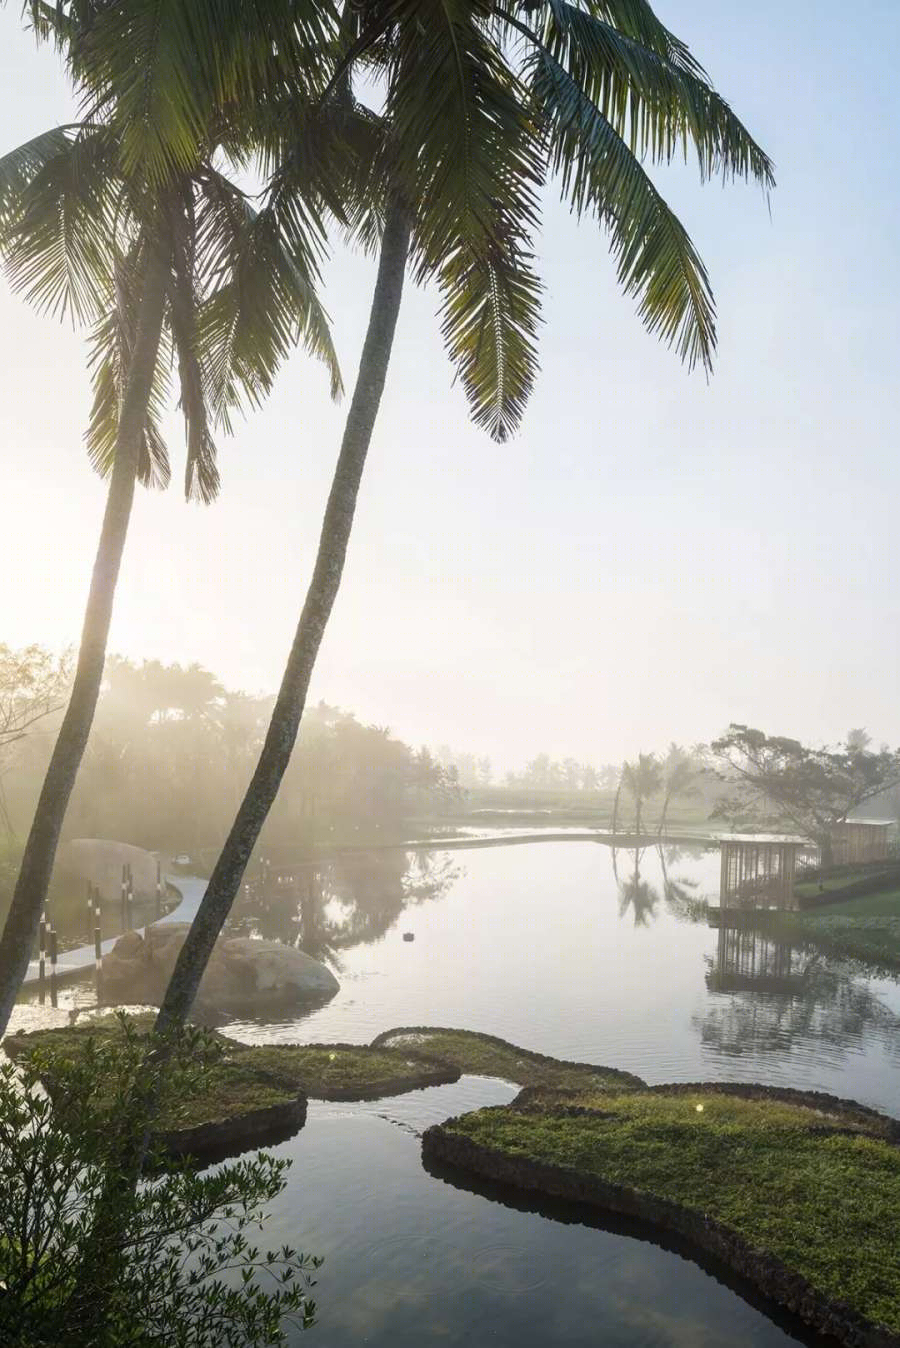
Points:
point(244, 975)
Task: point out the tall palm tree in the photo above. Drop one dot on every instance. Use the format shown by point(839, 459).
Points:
point(679, 772)
point(181, 273)
point(641, 779)
point(482, 101)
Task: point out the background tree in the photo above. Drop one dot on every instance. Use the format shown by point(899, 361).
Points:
point(33, 686)
point(641, 779)
point(773, 781)
point(679, 772)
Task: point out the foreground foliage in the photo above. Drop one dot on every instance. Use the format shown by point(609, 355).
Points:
point(818, 1189)
point(187, 1274)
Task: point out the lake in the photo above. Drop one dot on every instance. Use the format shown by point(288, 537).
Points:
point(563, 948)
point(541, 944)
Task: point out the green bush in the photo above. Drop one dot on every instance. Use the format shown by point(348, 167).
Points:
point(91, 1260)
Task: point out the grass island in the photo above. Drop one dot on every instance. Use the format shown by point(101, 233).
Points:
point(798, 1193)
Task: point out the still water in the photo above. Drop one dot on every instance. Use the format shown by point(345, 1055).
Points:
point(564, 948)
point(551, 947)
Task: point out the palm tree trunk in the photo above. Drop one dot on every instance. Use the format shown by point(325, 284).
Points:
point(615, 818)
point(30, 894)
point(665, 811)
point(323, 588)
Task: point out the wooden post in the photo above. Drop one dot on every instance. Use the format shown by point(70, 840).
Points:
point(98, 950)
point(53, 954)
point(42, 949)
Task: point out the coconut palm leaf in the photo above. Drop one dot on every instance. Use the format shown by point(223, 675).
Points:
point(468, 156)
point(490, 317)
point(201, 474)
point(61, 221)
point(109, 360)
point(655, 104)
point(261, 299)
point(19, 167)
point(656, 259)
point(161, 70)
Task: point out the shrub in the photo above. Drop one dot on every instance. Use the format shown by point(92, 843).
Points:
point(187, 1271)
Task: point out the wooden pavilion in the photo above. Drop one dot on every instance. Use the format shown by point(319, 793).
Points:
point(759, 872)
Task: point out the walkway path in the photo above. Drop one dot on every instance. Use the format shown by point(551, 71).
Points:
point(74, 963)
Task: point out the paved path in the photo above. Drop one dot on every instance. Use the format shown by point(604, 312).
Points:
point(74, 963)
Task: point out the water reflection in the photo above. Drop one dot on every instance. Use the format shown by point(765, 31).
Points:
point(679, 892)
point(348, 900)
point(785, 994)
point(636, 895)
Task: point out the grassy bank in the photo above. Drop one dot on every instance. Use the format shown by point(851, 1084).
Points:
point(246, 1093)
point(487, 1056)
point(866, 928)
point(806, 1201)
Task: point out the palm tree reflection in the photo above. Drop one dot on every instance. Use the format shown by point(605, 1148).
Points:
point(636, 894)
point(329, 906)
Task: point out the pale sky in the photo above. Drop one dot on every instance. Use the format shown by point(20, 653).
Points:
point(652, 557)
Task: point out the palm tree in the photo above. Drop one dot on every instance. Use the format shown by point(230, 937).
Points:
point(177, 272)
point(482, 101)
point(641, 780)
point(679, 772)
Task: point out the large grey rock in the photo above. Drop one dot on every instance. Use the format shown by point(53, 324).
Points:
point(100, 860)
point(243, 974)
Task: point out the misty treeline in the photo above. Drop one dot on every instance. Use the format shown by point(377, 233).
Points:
point(171, 751)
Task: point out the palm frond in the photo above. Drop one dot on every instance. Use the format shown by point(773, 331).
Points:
point(140, 60)
point(20, 166)
point(656, 105)
point(655, 257)
point(465, 146)
point(58, 249)
point(636, 19)
point(468, 156)
point(163, 70)
point(109, 361)
point(489, 321)
point(262, 299)
point(201, 473)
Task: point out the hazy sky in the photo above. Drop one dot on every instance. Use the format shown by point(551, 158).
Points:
point(652, 557)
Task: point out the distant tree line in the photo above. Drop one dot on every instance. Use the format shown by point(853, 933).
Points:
point(171, 752)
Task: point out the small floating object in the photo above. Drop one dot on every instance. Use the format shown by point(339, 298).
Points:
point(699, 1109)
point(409, 936)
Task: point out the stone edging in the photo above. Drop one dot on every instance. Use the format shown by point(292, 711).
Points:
point(770, 1275)
point(226, 1137)
point(628, 1079)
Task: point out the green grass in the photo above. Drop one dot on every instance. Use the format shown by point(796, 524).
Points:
point(885, 904)
point(826, 1204)
point(274, 1071)
point(347, 1071)
point(866, 928)
point(226, 1088)
point(484, 1055)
